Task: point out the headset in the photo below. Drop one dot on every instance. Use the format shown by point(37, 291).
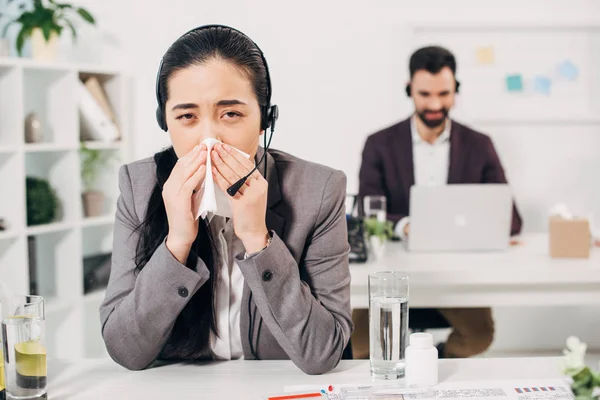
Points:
point(409, 92)
point(268, 114)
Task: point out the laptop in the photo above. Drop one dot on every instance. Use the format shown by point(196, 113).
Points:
point(466, 217)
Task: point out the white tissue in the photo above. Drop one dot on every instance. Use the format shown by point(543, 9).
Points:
point(561, 210)
point(210, 197)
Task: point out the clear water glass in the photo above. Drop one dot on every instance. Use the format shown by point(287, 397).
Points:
point(388, 323)
point(24, 347)
point(375, 207)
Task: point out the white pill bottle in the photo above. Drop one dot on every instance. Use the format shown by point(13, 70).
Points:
point(421, 361)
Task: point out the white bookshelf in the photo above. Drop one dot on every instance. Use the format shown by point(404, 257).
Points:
point(48, 89)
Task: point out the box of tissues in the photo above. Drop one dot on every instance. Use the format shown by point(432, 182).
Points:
point(570, 237)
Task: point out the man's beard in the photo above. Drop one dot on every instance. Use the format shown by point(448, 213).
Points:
point(433, 123)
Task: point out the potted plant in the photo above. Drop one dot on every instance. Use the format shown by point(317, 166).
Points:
point(92, 161)
point(378, 232)
point(585, 383)
point(44, 24)
point(42, 202)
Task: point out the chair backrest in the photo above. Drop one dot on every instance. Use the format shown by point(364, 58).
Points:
point(421, 319)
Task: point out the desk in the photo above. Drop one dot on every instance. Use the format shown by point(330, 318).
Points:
point(103, 379)
point(523, 275)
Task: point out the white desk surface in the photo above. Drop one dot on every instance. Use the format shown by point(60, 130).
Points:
point(103, 379)
point(520, 276)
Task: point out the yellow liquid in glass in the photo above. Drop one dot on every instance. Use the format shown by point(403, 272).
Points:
point(30, 358)
point(1, 369)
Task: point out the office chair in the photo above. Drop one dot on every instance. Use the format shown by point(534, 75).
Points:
point(421, 319)
point(347, 354)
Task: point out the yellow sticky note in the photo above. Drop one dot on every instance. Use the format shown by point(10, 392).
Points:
point(485, 55)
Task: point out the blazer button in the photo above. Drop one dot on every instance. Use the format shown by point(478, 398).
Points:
point(183, 292)
point(267, 275)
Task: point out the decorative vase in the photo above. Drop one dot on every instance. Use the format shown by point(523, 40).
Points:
point(4, 47)
point(93, 203)
point(41, 49)
point(377, 246)
point(33, 129)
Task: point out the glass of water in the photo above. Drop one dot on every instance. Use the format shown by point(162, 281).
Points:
point(388, 323)
point(24, 347)
point(375, 207)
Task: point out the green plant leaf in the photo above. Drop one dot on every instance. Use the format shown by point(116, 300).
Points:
point(61, 5)
point(583, 378)
point(596, 379)
point(41, 201)
point(25, 18)
point(383, 230)
point(72, 28)
point(37, 4)
point(24, 33)
point(47, 28)
point(86, 15)
point(92, 162)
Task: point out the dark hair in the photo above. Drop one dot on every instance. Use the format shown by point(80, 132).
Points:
point(191, 332)
point(216, 42)
point(432, 59)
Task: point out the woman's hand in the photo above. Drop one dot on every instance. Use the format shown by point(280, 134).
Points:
point(187, 175)
point(249, 205)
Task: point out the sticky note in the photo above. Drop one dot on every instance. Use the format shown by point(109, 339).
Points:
point(542, 84)
point(514, 83)
point(485, 55)
point(568, 70)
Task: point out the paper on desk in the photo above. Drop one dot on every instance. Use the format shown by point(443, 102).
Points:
point(538, 389)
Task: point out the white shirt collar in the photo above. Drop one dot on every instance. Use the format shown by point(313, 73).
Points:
point(445, 136)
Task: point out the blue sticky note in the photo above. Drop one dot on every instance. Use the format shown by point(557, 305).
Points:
point(542, 84)
point(568, 70)
point(514, 83)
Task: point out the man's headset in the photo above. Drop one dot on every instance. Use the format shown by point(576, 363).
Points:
point(268, 114)
point(409, 90)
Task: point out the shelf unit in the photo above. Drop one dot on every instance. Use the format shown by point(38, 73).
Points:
point(59, 247)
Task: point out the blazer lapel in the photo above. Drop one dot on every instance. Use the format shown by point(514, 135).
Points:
point(274, 220)
point(404, 160)
point(456, 157)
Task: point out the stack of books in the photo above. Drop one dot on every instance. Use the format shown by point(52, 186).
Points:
point(97, 117)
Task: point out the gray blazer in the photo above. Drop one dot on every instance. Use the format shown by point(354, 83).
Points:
point(300, 284)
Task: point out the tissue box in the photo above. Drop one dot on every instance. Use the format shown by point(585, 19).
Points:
point(569, 238)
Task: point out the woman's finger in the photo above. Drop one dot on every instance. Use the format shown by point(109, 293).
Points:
point(187, 167)
point(224, 184)
point(224, 169)
point(234, 160)
point(192, 183)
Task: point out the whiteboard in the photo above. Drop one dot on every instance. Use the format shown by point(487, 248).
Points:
point(536, 54)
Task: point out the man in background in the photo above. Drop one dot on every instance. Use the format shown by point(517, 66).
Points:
point(431, 149)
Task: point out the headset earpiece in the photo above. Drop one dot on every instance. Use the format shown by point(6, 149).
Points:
point(408, 90)
point(270, 118)
point(160, 118)
point(457, 86)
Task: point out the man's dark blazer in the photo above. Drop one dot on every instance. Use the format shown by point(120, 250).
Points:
point(387, 166)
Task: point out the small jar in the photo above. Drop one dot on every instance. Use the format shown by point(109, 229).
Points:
point(421, 361)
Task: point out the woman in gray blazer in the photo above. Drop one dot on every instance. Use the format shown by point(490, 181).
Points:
point(272, 281)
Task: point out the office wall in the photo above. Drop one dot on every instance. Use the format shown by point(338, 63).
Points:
point(336, 77)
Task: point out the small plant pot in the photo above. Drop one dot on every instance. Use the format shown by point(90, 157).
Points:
point(377, 247)
point(41, 49)
point(93, 203)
